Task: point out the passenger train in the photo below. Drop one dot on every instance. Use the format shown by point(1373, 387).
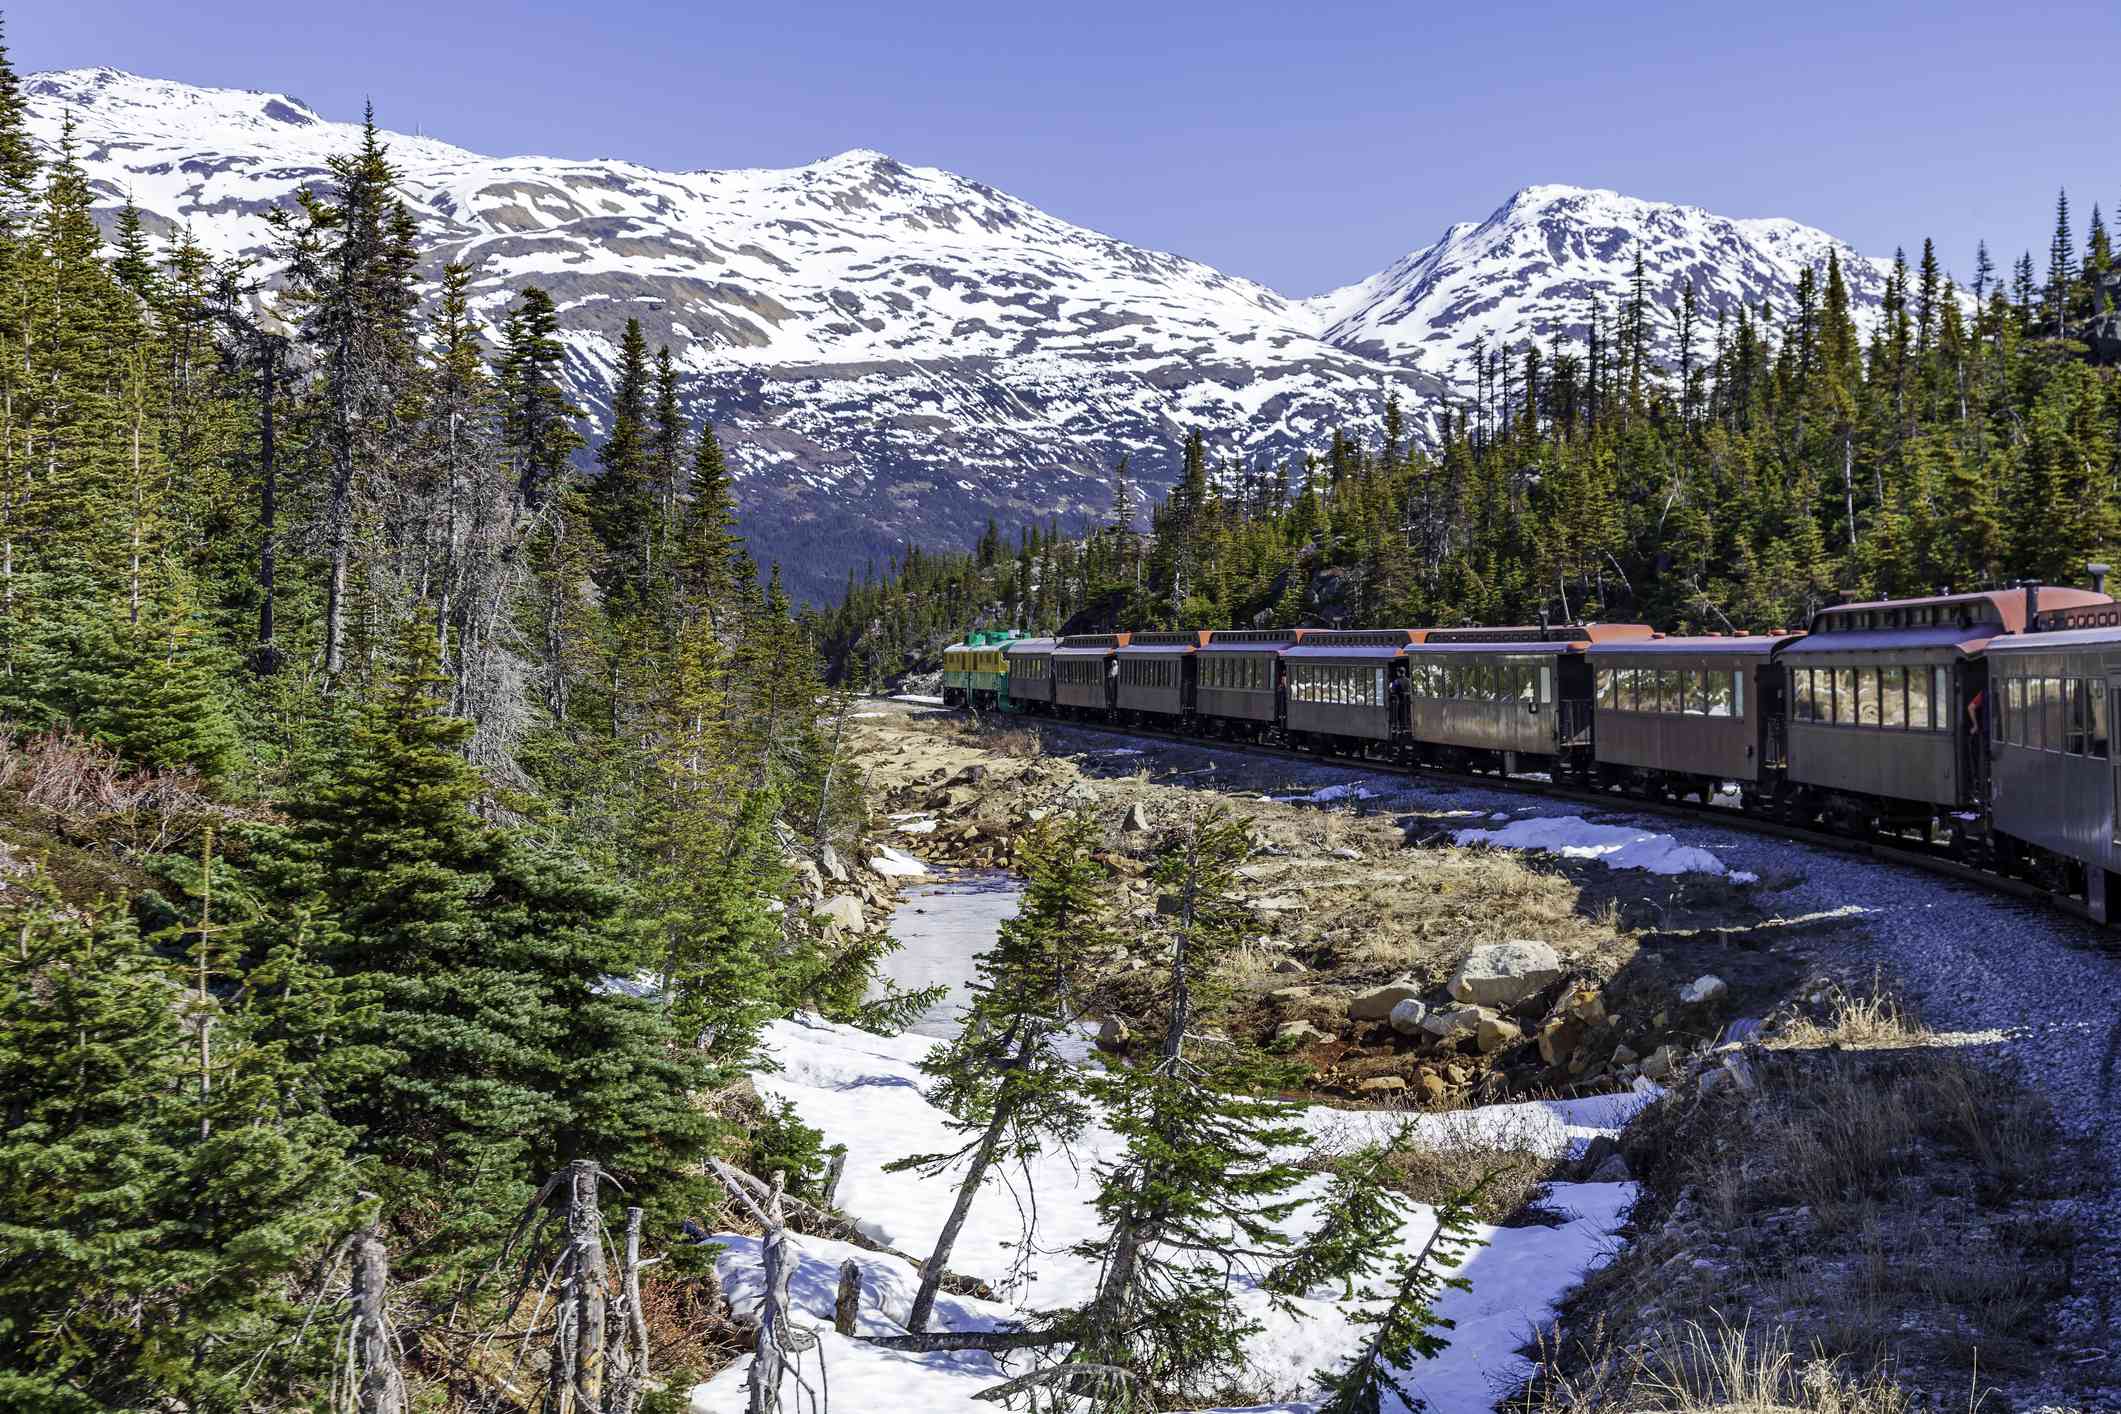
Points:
point(1976, 721)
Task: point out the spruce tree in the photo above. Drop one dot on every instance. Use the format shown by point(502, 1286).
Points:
point(1004, 1079)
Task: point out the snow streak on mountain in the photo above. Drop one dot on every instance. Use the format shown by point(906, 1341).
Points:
point(894, 353)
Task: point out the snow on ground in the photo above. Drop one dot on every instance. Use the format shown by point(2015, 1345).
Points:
point(1615, 846)
point(896, 863)
point(916, 697)
point(866, 1091)
point(1326, 795)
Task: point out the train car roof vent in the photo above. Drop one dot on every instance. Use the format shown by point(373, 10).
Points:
point(2098, 573)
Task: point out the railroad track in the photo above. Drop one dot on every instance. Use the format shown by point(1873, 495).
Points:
point(1910, 853)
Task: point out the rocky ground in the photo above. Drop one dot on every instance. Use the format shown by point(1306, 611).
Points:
point(1392, 967)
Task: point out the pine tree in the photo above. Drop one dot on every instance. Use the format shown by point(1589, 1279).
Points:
point(1198, 1189)
point(1004, 1079)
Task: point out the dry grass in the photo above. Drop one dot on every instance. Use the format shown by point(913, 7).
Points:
point(1874, 1199)
point(1453, 1154)
point(86, 792)
point(1725, 1371)
point(1875, 1019)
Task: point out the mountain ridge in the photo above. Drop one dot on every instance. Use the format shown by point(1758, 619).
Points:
point(892, 353)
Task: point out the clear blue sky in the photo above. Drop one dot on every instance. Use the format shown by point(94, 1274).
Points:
point(1305, 144)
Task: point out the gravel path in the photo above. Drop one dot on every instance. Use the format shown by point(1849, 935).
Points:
point(2027, 984)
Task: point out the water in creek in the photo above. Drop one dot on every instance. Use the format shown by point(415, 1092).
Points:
point(941, 926)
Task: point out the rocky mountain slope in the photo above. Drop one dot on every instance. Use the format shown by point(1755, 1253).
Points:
point(895, 353)
point(1535, 269)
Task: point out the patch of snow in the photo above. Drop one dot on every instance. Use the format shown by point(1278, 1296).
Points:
point(865, 1091)
point(917, 827)
point(1326, 795)
point(1615, 846)
point(896, 864)
point(922, 699)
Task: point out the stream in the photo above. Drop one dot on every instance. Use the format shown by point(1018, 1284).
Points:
point(941, 925)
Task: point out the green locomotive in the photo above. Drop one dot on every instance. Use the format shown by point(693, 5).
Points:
point(976, 672)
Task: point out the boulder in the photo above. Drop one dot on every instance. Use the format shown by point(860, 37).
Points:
point(1291, 967)
point(1376, 1003)
point(1705, 990)
point(1383, 1085)
point(807, 875)
point(1613, 1168)
point(1112, 1034)
point(1137, 817)
point(841, 911)
point(828, 859)
point(1455, 1023)
point(1298, 1033)
point(1503, 974)
point(1494, 1034)
point(1406, 1017)
point(1433, 1088)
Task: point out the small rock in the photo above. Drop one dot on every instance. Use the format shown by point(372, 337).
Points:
point(1433, 1088)
point(828, 859)
point(1587, 1005)
point(1284, 995)
point(1745, 1028)
point(1559, 1038)
point(1704, 990)
point(1503, 974)
point(1383, 1085)
point(1661, 1063)
point(1624, 1054)
point(1112, 1034)
point(1612, 1169)
point(1137, 817)
point(1376, 1004)
point(1455, 1023)
point(1290, 966)
point(812, 881)
point(1345, 853)
point(1277, 903)
point(1406, 1017)
point(1495, 1033)
point(1297, 1033)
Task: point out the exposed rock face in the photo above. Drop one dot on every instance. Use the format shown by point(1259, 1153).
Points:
point(842, 911)
point(1504, 974)
point(1704, 991)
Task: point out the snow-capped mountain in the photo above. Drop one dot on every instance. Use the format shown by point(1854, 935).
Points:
point(1535, 269)
point(895, 353)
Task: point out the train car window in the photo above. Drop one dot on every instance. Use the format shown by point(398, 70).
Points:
point(1546, 682)
point(2095, 733)
point(1918, 701)
point(1694, 693)
point(2055, 730)
point(1892, 698)
point(1801, 694)
point(2014, 710)
point(1602, 680)
point(1738, 692)
point(1867, 697)
point(1845, 697)
point(2033, 715)
point(2079, 714)
point(1719, 693)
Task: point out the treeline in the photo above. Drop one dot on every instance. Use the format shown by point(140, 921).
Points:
point(433, 796)
point(1780, 459)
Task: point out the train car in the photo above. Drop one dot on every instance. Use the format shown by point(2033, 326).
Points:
point(2051, 761)
point(973, 670)
point(1884, 700)
point(1086, 674)
point(1681, 716)
point(1340, 684)
point(1506, 699)
point(1157, 676)
point(1239, 688)
point(1027, 686)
